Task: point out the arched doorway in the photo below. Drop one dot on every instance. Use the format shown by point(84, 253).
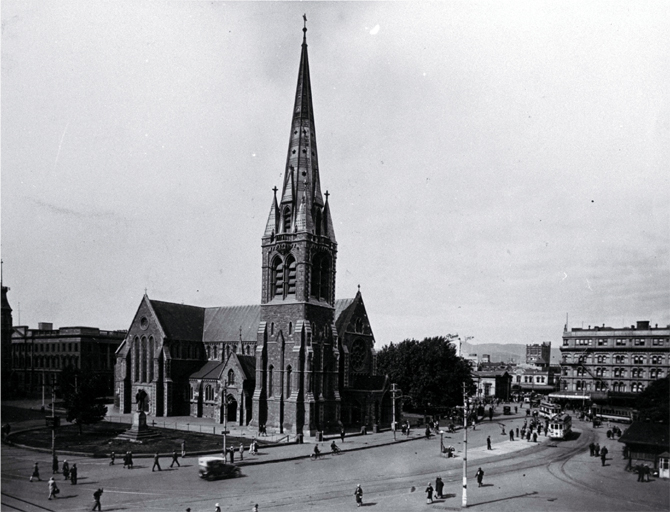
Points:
point(231, 409)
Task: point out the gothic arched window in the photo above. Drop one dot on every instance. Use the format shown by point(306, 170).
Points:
point(231, 377)
point(136, 377)
point(321, 277)
point(291, 270)
point(288, 381)
point(278, 277)
point(270, 379)
point(151, 359)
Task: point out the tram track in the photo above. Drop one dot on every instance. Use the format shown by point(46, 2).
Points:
point(12, 502)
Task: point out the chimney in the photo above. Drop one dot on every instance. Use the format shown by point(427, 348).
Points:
point(45, 326)
point(643, 324)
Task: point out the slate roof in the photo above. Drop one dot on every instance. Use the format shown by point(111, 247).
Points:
point(341, 306)
point(210, 370)
point(224, 323)
point(650, 434)
point(179, 321)
point(248, 364)
point(499, 373)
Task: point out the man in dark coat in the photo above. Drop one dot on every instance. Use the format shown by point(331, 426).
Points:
point(156, 463)
point(488, 443)
point(480, 476)
point(175, 459)
point(54, 464)
point(96, 496)
point(73, 474)
point(511, 435)
point(439, 487)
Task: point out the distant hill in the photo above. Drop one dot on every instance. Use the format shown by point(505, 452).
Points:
point(505, 353)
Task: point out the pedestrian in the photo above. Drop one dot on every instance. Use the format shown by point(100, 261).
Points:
point(516, 409)
point(231, 451)
point(36, 473)
point(316, 452)
point(480, 476)
point(609, 434)
point(342, 433)
point(511, 435)
point(130, 460)
point(253, 447)
point(603, 457)
point(54, 464)
point(73, 474)
point(359, 495)
point(125, 459)
point(112, 458)
point(96, 497)
point(217, 508)
point(535, 437)
point(503, 431)
point(640, 472)
point(427, 432)
point(183, 449)
point(156, 463)
point(66, 469)
point(255, 509)
point(53, 488)
point(439, 487)
point(597, 449)
point(539, 430)
point(429, 493)
point(517, 432)
point(490, 413)
point(175, 459)
point(241, 451)
point(488, 443)
point(408, 428)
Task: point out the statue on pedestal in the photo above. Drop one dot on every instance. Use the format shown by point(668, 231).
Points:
point(140, 399)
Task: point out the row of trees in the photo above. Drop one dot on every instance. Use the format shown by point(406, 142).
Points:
point(429, 372)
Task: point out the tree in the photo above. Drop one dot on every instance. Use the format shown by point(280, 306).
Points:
point(429, 372)
point(82, 392)
point(653, 402)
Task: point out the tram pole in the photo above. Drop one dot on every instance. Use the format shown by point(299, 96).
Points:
point(464, 502)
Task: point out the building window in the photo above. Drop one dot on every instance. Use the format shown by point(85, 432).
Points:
point(639, 342)
point(620, 342)
point(290, 328)
point(291, 272)
point(270, 379)
point(278, 277)
point(359, 325)
point(320, 287)
point(143, 364)
point(638, 359)
point(209, 393)
point(190, 392)
point(566, 343)
point(231, 378)
point(602, 342)
point(136, 343)
point(209, 352)
point(288, 382)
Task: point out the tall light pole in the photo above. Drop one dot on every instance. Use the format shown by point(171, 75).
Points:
point(394, 388)
point(53, 415)
point(464, 502)
point(225, 413)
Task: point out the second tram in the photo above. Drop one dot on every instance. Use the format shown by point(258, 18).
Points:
point(560, 426)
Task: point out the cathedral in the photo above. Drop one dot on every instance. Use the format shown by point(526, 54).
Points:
point(299, 362)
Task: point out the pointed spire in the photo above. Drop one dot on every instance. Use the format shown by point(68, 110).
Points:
point(301, 190)
point(272, 226)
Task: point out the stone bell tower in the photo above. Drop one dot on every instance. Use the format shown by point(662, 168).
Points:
point(296, 353)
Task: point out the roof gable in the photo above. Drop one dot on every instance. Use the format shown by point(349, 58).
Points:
point(210, 370)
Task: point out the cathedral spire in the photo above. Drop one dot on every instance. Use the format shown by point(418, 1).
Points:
point(301, 175)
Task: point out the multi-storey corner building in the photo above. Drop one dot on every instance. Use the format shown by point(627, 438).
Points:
point(620, 360)
point(39, 355)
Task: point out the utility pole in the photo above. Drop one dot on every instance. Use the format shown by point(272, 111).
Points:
point(464, 502)
point(225, 414)
point(394, 388)
point(53, 415)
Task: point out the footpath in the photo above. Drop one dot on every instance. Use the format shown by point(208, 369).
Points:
point(282, 447)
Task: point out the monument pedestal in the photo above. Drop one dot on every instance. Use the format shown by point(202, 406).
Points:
point(139, 431)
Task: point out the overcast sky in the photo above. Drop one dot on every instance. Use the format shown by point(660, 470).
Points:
point(493, 166)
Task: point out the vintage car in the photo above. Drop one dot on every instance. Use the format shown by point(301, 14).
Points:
point(211, 468)
point(507, 410)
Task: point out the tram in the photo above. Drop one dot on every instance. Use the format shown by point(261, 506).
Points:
point(549, 410)
point(560, 426)
point(614, 413)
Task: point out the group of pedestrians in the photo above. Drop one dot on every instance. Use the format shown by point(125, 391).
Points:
point(596, 451)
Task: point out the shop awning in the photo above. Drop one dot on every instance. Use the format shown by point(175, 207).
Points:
point(570, 395)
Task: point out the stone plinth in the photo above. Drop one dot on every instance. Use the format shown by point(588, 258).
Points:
point(139, 431)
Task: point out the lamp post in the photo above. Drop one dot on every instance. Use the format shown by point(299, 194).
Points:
point(464, 502)
point(225, 414)
point(53, 415)
point(394, 388)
